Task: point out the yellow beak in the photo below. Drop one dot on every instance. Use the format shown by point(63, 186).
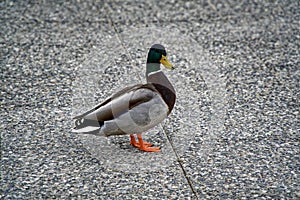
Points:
point(165, 62)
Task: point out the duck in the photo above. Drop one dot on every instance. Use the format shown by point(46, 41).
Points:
point(134, 109)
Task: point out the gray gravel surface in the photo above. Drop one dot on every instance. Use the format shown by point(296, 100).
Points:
point(234, 132)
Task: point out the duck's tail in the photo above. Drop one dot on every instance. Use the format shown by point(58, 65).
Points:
point(87, 126)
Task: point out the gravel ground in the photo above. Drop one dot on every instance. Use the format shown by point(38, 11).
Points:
point(234, 132)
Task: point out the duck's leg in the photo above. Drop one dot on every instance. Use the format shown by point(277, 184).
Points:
point(144, 147)
point(134, 143)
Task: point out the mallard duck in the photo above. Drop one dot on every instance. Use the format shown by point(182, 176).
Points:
point(134, 109)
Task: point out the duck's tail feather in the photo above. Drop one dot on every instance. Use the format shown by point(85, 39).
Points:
point(86, 126)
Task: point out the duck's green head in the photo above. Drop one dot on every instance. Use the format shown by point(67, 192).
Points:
point(158, 55)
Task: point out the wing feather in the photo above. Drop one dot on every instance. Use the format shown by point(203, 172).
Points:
point(119, 103)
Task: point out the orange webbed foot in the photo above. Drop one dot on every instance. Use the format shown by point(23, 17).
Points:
point(142, 145)
point(149, 149)
point(134, 143)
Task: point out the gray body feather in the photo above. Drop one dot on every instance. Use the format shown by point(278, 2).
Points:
point(132, 110)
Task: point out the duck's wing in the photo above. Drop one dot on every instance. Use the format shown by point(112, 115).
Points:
point(115, 96)
point(117, 104)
